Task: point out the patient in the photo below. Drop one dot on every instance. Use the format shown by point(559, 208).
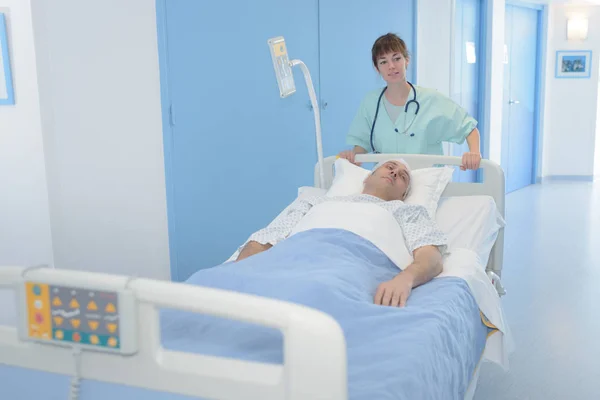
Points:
point(387, 186)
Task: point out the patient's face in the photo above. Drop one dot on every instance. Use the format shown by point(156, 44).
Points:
point(389, 181)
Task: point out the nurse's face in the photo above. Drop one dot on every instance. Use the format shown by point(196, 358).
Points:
point(389, 182)
point(392, 67)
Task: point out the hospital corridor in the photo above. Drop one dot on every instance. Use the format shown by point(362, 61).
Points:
point(552, 293)
point(299, 200)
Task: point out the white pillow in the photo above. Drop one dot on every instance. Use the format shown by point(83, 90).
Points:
point(470, 222)
point(427, 184)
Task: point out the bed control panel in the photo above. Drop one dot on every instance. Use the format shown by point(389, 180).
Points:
point(88, 317)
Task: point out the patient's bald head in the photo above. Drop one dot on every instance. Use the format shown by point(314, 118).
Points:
point(390, 180)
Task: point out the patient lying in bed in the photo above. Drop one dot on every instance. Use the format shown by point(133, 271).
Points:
point(386, 186)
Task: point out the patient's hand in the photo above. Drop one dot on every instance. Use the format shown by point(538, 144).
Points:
point(251, 248)
point(394, 292)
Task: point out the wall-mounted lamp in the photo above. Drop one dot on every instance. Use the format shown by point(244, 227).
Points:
point(577, 28)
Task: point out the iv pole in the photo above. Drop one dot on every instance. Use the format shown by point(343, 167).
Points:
point(285, 80)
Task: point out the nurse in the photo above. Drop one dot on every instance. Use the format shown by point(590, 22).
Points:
point(407, 119)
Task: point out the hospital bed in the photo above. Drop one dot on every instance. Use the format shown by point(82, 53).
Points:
point(314, 361)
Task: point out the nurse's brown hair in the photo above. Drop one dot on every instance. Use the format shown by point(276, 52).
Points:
point(388, 43)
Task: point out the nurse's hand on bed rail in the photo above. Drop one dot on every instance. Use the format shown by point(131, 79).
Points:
point(470, 160)
point(350, 154)
point(252, 248)
point(427, 265)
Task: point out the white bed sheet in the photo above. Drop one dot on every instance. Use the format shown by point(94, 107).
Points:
point(462, 263)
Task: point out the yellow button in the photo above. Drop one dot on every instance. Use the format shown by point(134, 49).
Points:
point(75, 323)
point(94, 339)
point(59, 335)
point(56, 302)
point(92, 306)
point(58, 321)
point(74, 304)
point(112, 342)
point(110, 308)
point(93, 325)
point(112, 328)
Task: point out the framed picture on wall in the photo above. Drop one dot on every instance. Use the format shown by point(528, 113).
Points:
point(7, 95)
point(573, 63)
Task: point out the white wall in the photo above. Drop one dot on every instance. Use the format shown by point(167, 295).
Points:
point(495, 77)
point(571, 105)
point(101, 115)
point(434, 54)
point(435, 59)
point(24, 217)
point(433, 51)
point(597, 138)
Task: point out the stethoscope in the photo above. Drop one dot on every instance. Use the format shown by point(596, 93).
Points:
point(414, 100)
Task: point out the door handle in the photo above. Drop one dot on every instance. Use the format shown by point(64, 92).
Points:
point(513, 102)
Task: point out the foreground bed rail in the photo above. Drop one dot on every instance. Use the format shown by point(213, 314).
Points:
point(314, 350)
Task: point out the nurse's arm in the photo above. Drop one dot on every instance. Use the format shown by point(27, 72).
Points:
point(473, 141)
point(472, 159)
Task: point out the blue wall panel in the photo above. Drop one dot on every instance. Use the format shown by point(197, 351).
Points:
point(237, 152)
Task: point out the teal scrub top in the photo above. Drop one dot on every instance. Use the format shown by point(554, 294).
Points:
point(439, 120)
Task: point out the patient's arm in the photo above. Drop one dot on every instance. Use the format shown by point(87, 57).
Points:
point(424, 239)
point(276, 231)
point(251, 248)
point(427, 265)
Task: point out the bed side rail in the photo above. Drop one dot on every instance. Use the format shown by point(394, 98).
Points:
point(314, 350)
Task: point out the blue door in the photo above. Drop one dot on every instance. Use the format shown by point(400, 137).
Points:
point(520, 103)
point(468, 59)
point(348, 29)
point(235, 151)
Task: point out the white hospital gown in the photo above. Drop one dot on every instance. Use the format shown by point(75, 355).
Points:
point(418, 228)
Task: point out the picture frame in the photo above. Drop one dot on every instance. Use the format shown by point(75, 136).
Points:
point(7, 95)
point(573, 64)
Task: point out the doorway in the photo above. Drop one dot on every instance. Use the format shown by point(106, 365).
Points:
point(520, 109)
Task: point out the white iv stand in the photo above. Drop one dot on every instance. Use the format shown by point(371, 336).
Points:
point(285, 80)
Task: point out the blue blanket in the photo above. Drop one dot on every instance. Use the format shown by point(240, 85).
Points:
point(427, 350)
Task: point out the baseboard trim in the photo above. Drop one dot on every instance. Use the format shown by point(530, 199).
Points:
point(574, 178)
